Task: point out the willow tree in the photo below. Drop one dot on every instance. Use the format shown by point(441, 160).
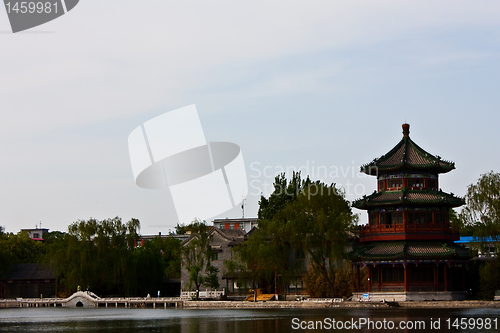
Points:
point(481, 217)
point(320, 222)
point(95, 253)
point(196, 253)
point(482, 207)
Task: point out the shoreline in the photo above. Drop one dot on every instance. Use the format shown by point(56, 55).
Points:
point(331, 304)
point(8, 303)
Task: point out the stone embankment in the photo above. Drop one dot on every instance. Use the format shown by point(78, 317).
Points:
point(84, 299)
point(329, 304)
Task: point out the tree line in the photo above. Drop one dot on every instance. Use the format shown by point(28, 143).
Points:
point(480, 218)
point(99, 255)
point(301, 218)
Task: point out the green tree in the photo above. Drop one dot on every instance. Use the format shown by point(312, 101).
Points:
point(180, 229)
point(252, 260)
point(489, 278)
point(481, 214)
point(96, 254)
point(196, 254)
point(5, 255)
point(212, 279)
point(301, 216)
point(320, 222)
point(152, 262)
point(22, 249)
point(276, 232)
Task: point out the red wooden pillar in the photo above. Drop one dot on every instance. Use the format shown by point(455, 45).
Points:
point(436, 278)
point(463, 277)
point(357, 276)
point(369, 278)
point(407, 279)
point(379, 276)
point(445, 277)
point(405, 220)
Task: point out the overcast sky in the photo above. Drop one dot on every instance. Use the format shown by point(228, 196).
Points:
point(311, 84)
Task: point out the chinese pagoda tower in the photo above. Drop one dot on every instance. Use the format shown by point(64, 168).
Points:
point(408, 244)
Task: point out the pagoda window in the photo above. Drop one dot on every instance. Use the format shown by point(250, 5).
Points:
point(441, 217)
point(416, 183)
point(373, 219)
point(431, 184)
point(428, 217)
point(419, 217)
point(397, 217)
point(393, 274)
point(394, 184)
point(381, 186)
point(382, 219)
point(412, 217)
point(375, 274)
point(422, 274)
point(388, 220)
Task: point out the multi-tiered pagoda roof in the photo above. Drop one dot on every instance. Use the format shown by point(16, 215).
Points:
point(407, 155)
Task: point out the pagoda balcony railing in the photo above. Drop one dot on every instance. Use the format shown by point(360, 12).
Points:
point(405, 228)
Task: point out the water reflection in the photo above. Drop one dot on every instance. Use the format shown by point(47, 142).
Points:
point(226, 320)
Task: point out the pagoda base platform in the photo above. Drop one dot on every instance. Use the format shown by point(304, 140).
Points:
point(402, 296)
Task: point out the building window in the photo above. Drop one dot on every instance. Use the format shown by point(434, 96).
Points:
point(231, 226)
point(422, 274)
point(221, 225)
point(381, 185)
point(387, 219)
point(428, 217)
point(416, 183)
point(373, 219)
point(375, 275)
point(215, 256)
point(431, 184)
point(36, 235)
point(441, 217)
point(394, 183)
point(419, 217)
point(397, 217)
point(393, 274)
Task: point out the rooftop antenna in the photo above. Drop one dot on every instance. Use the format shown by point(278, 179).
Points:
point(243, 207)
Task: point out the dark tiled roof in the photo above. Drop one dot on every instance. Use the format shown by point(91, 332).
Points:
point(425, 250)
point(232, 233)
point(229, 234)
point(409, 156)
point(392, 250)
point(405, 196)
point(31, 272)
point(409, 250)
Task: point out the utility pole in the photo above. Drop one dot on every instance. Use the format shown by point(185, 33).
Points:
point(243, 207)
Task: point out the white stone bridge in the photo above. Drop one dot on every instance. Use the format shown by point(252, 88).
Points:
point(87, 299)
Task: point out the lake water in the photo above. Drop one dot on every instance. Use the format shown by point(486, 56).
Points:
point(247, 321)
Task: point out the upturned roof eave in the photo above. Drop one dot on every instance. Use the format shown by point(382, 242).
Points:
point(442, 199)
point(452, 252)
point(435, 165)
